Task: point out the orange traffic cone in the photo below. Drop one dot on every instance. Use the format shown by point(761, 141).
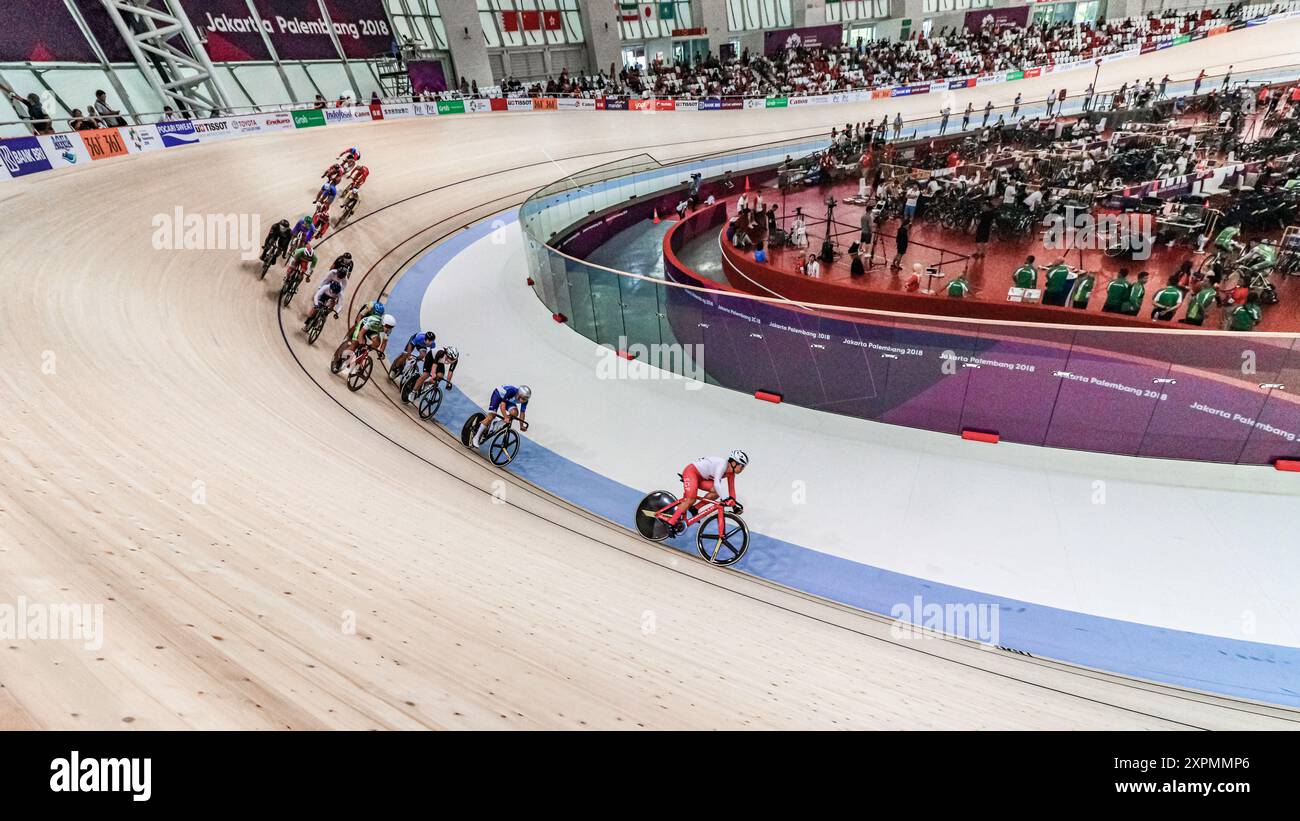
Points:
point(656, 216)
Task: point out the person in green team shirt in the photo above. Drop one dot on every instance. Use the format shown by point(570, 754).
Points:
point(1245, 317)
point(1259, 261)
point(1166, 301)
point(1057, 285)
point(1026, 276)
point(1117, 293)
point(1226, 241)
point(1083, 285)
point(1203, 299)
point(1136, 293)
point(959, 287)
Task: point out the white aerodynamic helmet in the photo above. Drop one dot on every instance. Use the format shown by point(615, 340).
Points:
point(739, 457)
point(389, 321)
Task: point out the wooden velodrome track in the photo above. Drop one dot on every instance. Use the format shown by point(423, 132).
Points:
point(169, 453)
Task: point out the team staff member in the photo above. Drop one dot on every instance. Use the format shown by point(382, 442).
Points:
point(1057, 287)
point(1026, 276)
point(1117, 293)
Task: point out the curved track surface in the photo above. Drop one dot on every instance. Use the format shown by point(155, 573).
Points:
point(272, 551)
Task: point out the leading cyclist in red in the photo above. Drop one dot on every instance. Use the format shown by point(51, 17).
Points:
point(705, 475)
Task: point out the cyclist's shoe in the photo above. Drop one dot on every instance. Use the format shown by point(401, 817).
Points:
point(675, 530)
point(693, 511)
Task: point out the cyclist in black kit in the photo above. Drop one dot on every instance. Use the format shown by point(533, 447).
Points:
point(277, 241)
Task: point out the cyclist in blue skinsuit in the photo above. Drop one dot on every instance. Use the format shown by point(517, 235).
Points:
point(416, 346)
point(508, 402)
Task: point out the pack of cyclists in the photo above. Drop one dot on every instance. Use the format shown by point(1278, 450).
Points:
point(373, 325)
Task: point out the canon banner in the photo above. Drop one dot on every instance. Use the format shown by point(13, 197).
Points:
point(296, 28)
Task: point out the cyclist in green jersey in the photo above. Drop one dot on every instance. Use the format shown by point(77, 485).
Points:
point(1082, 291)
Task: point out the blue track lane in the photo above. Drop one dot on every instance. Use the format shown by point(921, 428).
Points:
point(1231, 667)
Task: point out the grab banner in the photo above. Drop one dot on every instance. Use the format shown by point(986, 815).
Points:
point(103, 143)
point(306, 118)
point(451, 107)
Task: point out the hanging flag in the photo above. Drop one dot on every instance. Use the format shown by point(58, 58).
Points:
point(628, 11)
point(551, 21)
point(510, 21)
point(667, 11)
point(532, 20)
point(648, 10)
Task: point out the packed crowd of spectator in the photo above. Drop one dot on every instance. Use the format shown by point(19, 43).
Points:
point(952, 52)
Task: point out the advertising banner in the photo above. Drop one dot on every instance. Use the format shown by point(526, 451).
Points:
point(968, 82)
point(615, 104)
point(1014, 75)
point(733, 103)
point(665, 105)
point(341, 116)
point(451, 106)
point(218, 128)
point(881, 93)
point(808, 37)
point(1032, 72)
point(688, 105)
point(545, 104)
point(777, 102)
point(376, 112)
point(304, 118)
point(427, 76)
point(42, 31)
point(177, 132)
point(640, 105)
point(397, 111)
point(519, 104)
point(232, 34)
point(498, 104)
point(587, 104)
point(22, 156)
point(1018, 17)
point(141, 138)
point(64, 150)
point(103, 143)
point(755, 102)
point(298, 31)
